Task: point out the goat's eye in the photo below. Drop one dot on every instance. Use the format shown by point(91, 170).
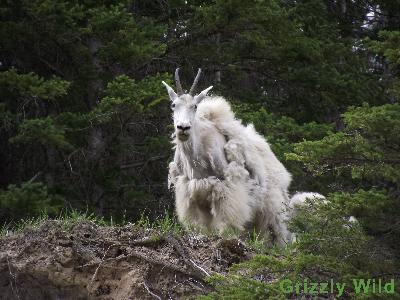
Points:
point(173, 105)
point(195, 106)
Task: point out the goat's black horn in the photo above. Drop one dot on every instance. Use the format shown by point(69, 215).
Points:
point(179, 89)
point(196, 80)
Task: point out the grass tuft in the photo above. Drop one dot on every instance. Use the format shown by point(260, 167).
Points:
point(69, 218)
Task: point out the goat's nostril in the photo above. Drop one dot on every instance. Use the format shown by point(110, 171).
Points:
point(183, 128)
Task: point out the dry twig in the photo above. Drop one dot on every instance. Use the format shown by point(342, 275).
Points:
point(184, 253)
point(97, 270)
point(150, 292)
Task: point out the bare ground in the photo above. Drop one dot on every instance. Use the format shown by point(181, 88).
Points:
point(88, 261)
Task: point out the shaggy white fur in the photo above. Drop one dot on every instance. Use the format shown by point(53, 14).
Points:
point(226, 175)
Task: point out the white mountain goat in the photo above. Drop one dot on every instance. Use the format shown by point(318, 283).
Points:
point(224, 173)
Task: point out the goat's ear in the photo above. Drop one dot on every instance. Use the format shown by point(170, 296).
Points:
point(171, 93)
point(202, 95)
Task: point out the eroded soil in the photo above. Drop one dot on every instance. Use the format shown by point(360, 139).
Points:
point(88, 261)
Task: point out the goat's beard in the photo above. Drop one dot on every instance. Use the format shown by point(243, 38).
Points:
point(183, 137)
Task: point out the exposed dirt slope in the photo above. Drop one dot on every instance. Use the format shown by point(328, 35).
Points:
point(93, 262)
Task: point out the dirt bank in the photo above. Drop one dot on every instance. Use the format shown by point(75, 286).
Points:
point(86, 261)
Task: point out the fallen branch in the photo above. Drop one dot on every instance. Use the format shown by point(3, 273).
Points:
point(184, 253)
point(167, 265)
point(198, 267)
point(153, 261)
point(150, 292)
point(146, 242)
point(154, 240)
point(97, 270)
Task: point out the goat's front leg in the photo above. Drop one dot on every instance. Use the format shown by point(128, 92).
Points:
point(192, 199)
point(174, 170)
point(201, 189)
point(173, 174)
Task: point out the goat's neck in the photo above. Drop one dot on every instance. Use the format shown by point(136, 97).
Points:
point(200, 156)
point(192, 152)
point(192, 147)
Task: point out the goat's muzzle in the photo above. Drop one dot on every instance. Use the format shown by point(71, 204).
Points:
point(182, 132)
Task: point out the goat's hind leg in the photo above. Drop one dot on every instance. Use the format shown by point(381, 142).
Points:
point(272, 216)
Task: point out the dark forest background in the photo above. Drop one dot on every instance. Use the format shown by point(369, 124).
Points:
point(85, 122)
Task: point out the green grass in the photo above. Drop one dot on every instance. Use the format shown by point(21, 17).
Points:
point(67, 218)
point(166, 223)
point(256, 242)
point(20, 225)
point(5, 228)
